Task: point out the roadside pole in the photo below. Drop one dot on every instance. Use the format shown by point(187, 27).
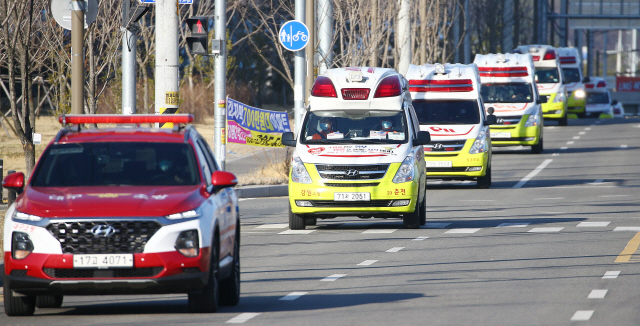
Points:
point(404, 36)
point(310, 19)
point(128, 62)
point(220, 88)
point(300, 72)
point(166, 91)
point(77, 56)
point(325, 35)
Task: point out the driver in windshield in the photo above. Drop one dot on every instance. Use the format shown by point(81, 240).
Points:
point(386, 124)
point(326, 127)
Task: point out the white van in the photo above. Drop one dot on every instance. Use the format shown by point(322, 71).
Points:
point(598, 103)
point(359, 151)
point(449, 106)
point(509, 87)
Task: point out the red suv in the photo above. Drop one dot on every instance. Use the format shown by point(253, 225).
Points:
point(122, 210)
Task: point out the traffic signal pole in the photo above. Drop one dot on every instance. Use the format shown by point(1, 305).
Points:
point(167, 64)
point(220, 86)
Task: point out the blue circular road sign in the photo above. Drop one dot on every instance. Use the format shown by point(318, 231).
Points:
point(294, 35)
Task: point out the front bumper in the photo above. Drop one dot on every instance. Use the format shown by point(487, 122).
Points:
point(463, 164)
point(576, 105)
point(551, 110)
point(518, 134)
point(383, 193)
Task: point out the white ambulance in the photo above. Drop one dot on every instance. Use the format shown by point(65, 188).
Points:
point(509, 87)
point(449, 106)
point(573, 79)
point(549, 80)
point(598, 103)
point(359, 151)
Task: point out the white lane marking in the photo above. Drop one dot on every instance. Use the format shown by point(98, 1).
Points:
point(552, 212)
point(467, 230)
point(367, 262)
point(597, 294)
point(333, 277)
point(550, 198)
point(582, 315)
point(555, 154)
point(542, 230)
point(563, 148)
point(395, 249)
point(292, 296)
point(597, 182)
point(587, 128)
point(513, 225)
point(576, 137)
point(611, 274)
point(624, 146)
point(435, 225)
point(581, 133)
point(592, 224)
point(380, 231)
point(261, 232)
point(273, 226)
point(607, 196)
point(533, 173)
point(296, 232)
point(241, 318)
point(570, 142)
point(627, 228)
point(420, 238)
point(241, 199)
point(477, 200)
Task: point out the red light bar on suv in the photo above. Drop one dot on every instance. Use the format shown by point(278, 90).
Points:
point(119, 118)
point(503, 71)
point(323, 87)
point(454, 85)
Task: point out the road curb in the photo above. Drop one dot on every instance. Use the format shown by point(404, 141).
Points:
point(262, 191)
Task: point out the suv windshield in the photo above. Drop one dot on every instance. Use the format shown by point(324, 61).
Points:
point(547, 75)
point(117, 163)
point(507, 93)
point(571, 75)
point(355, 126)
point(447, 112)
point(597, 98)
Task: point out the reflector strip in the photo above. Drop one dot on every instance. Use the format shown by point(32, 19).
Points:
point(168, 125)
point(454, 85)
point(134, 118)
point(503, 71)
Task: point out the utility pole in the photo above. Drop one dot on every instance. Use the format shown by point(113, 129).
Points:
point(299, 72)
point(77, 56)
point(373, 60)
point(325, 35)
point(166, 80)
point(220, 86)
point(564, 23)
point(507, 18)
point(467, 34)
point(128, 62)
point(311, 47)
point(590, 56)
point(404, 36)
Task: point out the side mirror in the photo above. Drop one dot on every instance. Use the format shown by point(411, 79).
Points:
point(586, 80)
point(223, 179)
point(491, 120)
point(614, 102)
point(14, 181)
point(490, 110)
point(423, 138)
point(542, 99)
point(288, 140)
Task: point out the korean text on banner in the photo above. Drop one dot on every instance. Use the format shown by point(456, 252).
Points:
point(257, 119)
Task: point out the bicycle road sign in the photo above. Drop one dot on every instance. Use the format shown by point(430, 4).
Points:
point(294, 35)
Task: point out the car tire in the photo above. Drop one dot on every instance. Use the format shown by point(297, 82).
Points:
point(49, 301)
point(206, 300)
point(485, 182)
point(311, 221)
point(538, 148)
point(563, 121)
point(423, 211)
point(412, 220)
point(296, 222)
point(17, 305)
point(230, 287)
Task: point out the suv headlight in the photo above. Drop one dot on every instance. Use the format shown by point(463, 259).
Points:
point(480, 144)
point(532, 120)
point(299, 173)
point(21, 245)
point(579, 93)
point(559, 96)
point(187, 214)
point(19, 216)
point(405, 172)
point(187, 243)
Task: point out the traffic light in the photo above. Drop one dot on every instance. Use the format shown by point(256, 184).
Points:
point(199, 39)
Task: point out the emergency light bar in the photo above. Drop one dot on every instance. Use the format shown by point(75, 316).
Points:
point(355, 93)
point(567, 60)
point(503, 71)
point(455, 85)
point(118, 118)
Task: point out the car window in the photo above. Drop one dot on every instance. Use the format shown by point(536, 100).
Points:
point(571, 75)
point(507, 93)
point(117, 163)
point(547, 75)
point(208, 155)
point(355, 126)
point(204, 164)
point(597, 98)
point(447, 112)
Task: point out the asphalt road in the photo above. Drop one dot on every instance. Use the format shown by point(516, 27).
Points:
point(553, 242)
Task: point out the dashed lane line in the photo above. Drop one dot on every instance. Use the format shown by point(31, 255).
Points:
point(395, 249)
point(581, 133)
point(513, 225)
point(550, 198)
point(546, 230)
point(296, 232)
point(624, 146)
point(563, 148)
point(435, 225)
point(611, 274)
point(592, 224)
point(609, 196)
point(241, 318)
point(273, 226)
point(597, 182)
point(627, 228)
point(571, 142)
point(582, 315)
point(597, 294)
point(292, 296)
point(629, 249)
point(533, 173)
point(333, 277)
point(420, 238)
point(576, 137)
point(587, 128)
point(463, 230)
point(367, 263)
point(380, 231)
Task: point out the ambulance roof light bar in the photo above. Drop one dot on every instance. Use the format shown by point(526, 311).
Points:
point(125, 119)
point(501, 58)
point(440, 69)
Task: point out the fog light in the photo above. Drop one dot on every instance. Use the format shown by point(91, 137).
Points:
point(403, 202)
point(303, 203)
point(188, 244)
point(21, 246)
point(530, 139)
point(558, 111)
point(474, 168)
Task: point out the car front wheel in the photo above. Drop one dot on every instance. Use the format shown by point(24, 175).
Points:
point(206, 300)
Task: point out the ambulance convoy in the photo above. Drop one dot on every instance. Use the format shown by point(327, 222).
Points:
point(573, 79)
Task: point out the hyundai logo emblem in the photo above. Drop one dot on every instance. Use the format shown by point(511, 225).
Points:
point(103, 230)
point(438, 146)
point(500, 121)
point(353, 173)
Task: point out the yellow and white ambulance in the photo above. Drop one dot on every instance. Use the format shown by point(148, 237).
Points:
point(359, 151)
point(549, 80)
point(573, 79)
point(509, 87)
point(598, 99)
point(449, 106)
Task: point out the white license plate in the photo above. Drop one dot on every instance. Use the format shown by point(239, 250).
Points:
point(103, 261)
point(352, 196)
point(500, 135)
point(439, 164)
